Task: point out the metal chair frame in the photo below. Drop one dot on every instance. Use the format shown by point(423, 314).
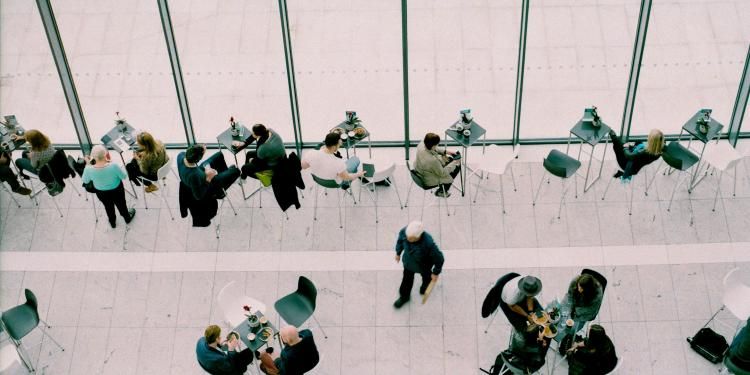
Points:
point(372, 189)
point(331, 184)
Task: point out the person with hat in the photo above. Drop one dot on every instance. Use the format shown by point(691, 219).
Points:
point(519, 295)
point(421, 255)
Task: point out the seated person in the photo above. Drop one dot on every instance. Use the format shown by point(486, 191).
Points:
point(7, 175)
point(434, 165)
point(268, 152)
point(739, 352)
point(222, 358)
point(519, 295)
point(528, 349)
point(633, 158)
point(41, 152)
point(593, 355)
point(150, 156)
point(584, 298)
point(326, 165)
point(210, 178)
point(299, 355)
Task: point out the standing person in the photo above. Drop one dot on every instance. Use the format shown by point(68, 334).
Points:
point(211, 178)
point(41, 152)
point(150, 156)
point(107, 179)
point(299, 355)
point(269, 150)
point(435, 166)
point(222, 358)
point(7, 175)
point(632, 159)
point(326, 165)
point(421, 255)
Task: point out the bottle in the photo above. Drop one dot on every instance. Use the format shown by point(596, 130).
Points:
point(233, 125)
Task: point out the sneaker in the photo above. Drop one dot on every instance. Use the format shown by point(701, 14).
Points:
point(22, 190)
point(152, 188)
point(132, 215)
point(400, 302)
point(422, 289)
point(617, 174)
point(257, 354)
point(443, 194)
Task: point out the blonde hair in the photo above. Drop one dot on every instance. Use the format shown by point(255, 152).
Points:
point(655, 142)
point(37, 140)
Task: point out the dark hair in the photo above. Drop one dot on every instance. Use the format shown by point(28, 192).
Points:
point(589, 285)
point(260, 130)
point(194, 153)
point(332, 139)
point(430, 140)
point(597, 339)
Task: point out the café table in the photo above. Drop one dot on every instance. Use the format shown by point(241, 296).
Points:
point(465, 142)
point(121, 138)
point(351, 140)
point(590, 135)
point(225, 140)
point(692, 127)
point(244, 329)
point(7, 143)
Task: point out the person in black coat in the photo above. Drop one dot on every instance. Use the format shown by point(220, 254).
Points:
point(633, 158)
point(219, 358)
point(421, 255)
point(299, 355)
point(594, 355)
point(739, 352)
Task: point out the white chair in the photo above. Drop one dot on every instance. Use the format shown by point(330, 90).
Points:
point(10, 362)
point(495, 160)
point(161, 175)
point(380, 176)
point(737, 293)
point(722, 157)
point(231, 300)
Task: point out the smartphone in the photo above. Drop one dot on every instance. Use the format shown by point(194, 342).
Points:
point(369, 169)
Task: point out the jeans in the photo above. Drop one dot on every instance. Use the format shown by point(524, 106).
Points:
point(351, 167)
point(6, 174)
point(226, 175)
point(24, 164)
point(111, 199)
point(447, 187)
point(407, 282)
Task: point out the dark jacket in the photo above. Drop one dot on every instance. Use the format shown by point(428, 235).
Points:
point(270, 150)
point(583, 310)
point(56, 169)
point(636, 158)
point(217, 362)
point(585, 361)
point(286, 179)
point(202, 210)
point(300, 358)
point(422, 256)
point(739, 351)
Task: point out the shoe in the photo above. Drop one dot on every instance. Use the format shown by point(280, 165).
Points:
point(219, 195)
point(152, 188)
point(113, 224)
point(400, 302)
point(22, 190)
point(132, 215)
point(422, 289)
point(269, 350)
point(257, 355)
point(618, 174)
point(442, 194)
point(25, 177)
point(612, 134)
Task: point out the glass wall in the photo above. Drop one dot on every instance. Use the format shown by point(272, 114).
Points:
point(578, 54)
point(118, 57)
point(29, 84)
point(463, 56)
point(232, 60)
point(694, 56)
point(348, 57)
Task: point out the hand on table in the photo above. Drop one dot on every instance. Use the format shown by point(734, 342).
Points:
point(210, 173)
point(451, 153)
point(238, 144)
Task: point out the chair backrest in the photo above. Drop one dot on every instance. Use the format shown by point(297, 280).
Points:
point(670, 159)
point(417, 179)
point(596, 275)
point(385, 173)
point(31, 299)
point(306, 289)
point(330, 184)
point(230, 302)
point(737, 292)
point(554, 169)
point(494, 296)
point(164, 170)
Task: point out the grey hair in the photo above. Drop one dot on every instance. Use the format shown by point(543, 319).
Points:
point(415, 229)
point(98, 152)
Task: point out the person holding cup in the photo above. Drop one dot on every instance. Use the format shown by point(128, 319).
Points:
point(436, 165)
point(222, 358)
point(209, 178)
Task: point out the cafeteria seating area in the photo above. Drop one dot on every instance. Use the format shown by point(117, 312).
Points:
point(533, 191)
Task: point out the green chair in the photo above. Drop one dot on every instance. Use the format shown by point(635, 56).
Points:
point(563, 166)
point(330, 184)
point(19, 321)
point(295, 308)
point(682, 159)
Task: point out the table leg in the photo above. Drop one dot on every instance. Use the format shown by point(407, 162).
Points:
point(586, 186)
point(694, 181)
point(237, 164)
point(134, 194)
point(462, 172)
point(567, 147)
point(369, 145)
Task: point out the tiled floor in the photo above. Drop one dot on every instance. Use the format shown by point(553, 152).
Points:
point(135, 299)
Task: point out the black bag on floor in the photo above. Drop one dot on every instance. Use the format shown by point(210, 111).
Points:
point(709, 344)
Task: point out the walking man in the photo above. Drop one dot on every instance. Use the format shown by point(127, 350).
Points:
point(421, 255)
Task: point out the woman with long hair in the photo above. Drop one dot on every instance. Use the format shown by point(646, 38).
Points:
point(40, 154)
point(584, 298)
point(594, 355)
point(150, 156)
point(632, 159)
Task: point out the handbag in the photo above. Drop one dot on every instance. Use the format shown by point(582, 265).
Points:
point(709, 344)
point(89, 186)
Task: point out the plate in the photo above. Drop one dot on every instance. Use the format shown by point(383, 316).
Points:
point(265, 334)
point(360, 132)
point(338, 130)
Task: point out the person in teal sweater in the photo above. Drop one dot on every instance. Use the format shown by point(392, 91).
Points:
point(107, 179)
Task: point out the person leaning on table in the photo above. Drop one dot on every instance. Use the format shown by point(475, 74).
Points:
point(299, 355)
point(150, 156)
point(434, 165)
point(107, 179)
point(222, 358)
point(40, 154)
point(421, 255)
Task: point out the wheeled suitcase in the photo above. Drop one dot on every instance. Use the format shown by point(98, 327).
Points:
point(709, 344)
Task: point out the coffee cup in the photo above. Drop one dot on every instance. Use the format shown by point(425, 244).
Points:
point(4, 145)
point(251, 336)
point(459, 128)
point(467, 132)
point(569, 323)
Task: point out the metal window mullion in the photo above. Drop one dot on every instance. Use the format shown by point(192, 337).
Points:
point(405, 68)
point(63, 70)
point(521, 67)
point(174, 60)
point(290, 74)
point(635, 68)
point(740, 103)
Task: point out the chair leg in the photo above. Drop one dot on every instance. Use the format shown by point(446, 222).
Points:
point(338, 195)
point(76, 189)
point(734, 188)
point(447, 209)
point(393, 182)
point(44, 331)
point(502, 194)
point(607, 188)
point(718, 191)
point(512, 177)
point(562, 198)
point(226, 196)
point(56, 206)
point(490, 323)
point(632, 193)
point(166, 203)
point(541, 181)
point(96, 215)
point(10, 193)
point(408, 192)
point(315, 209)
point(319, 326)
point(671, 198)
point(476, 191)
point(376, 203)
point(424, 197)
point(218, 223)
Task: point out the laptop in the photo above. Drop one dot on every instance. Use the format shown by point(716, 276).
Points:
point(11, 121)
